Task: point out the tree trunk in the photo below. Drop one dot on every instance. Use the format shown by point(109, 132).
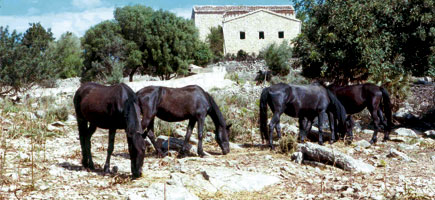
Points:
point(334, 157)
point(132, 72)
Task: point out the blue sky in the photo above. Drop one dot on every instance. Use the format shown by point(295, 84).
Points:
point(78, 15)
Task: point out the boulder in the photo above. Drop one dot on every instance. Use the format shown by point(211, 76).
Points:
point(171, 192)
point(237, 181)
point(405, 132)
point(396, 153)
point(362, 144)
point(430, 134)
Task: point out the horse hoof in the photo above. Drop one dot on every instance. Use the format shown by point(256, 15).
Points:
point(386, 139)
point(320, 143)
point(372, 141)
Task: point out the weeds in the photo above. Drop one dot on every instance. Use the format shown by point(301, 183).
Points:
point(288, 144)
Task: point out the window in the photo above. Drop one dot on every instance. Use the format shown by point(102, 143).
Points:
point(261, 35)
point(281, 34)
point(242, 35)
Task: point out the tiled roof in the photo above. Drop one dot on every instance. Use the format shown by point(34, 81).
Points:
point(232, 10)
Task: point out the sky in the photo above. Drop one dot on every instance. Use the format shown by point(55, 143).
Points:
point(77, 16)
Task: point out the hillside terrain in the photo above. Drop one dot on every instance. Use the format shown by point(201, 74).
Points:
point(40, 151)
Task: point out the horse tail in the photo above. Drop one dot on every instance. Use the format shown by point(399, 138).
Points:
point(387, 107)
point(340, 111)
point(77, 100)
point(263, 114)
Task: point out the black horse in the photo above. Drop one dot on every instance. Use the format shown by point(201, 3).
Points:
point(178, 104)
point(303, 101)
point(263, 76)
point(357, 97)
point(109, 107)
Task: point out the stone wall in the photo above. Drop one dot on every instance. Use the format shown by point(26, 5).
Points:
point(252, 23)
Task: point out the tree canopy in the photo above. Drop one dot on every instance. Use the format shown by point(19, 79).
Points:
point(22, 58)
point(155, 42)
point(348, 41)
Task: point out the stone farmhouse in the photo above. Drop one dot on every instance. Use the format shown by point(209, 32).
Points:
point(248, 28)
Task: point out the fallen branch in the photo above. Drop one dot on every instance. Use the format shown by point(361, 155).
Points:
point(324, 154)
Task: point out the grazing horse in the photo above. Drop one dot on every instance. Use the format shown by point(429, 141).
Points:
point(357, 97)
point(178, 104)
point(109, 107)
point(303, 101)
point(263, 76)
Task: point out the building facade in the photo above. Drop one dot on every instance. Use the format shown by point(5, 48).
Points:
point(248, 28)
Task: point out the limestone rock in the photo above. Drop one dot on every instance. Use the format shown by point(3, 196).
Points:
point(405, 132)
point(396, 153)
point(173, 192)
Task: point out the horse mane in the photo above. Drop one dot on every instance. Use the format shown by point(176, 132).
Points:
point(131, 120)
point(215, 113)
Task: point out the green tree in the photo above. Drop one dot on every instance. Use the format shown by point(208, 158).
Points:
point(103, 47)
point(37, 38)
point(155, 42)
point(64, 56)
point(216, 41)
point(134, 22)
point(277, 57)
point(348, 41)
point(22, 59)
point(172, 44)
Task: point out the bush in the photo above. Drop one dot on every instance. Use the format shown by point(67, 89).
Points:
point(241, 55)
point(277, 57)
point(115, 76)
point(345, 46)
point(288, 144)
point(215, 40)
point(22, 59)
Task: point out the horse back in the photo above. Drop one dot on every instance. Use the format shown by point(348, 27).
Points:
point(174, 104)
point(102, 105)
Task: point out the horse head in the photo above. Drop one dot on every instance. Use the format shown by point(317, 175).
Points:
point(222, 137)
point(134, 135)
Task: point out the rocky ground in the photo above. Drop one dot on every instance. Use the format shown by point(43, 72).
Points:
point(49, 167)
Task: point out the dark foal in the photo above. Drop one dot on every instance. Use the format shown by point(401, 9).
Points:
point(109, 107)
point(376, 99)
point(178, 104)
point(302, 101)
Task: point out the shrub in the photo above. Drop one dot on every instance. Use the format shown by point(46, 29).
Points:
point(288, 143)
point(215, 40)
point(277, 57)
point(241, 55)
point(115, 76)
point(22, 58)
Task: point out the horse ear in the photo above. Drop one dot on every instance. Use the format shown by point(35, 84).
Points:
point(229, 126)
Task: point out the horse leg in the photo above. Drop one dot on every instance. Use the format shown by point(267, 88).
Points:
point(320, 118)
point(332, 127)
point(200, 130)
point(376, 125)
point(83, 132)
point(302, 128)
point(91, 130)
point(384, 124)
point(112, 133)
point(183, 151)
point(278, 130)
point(152, 137)
point(351, 125)
point(272, 124)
